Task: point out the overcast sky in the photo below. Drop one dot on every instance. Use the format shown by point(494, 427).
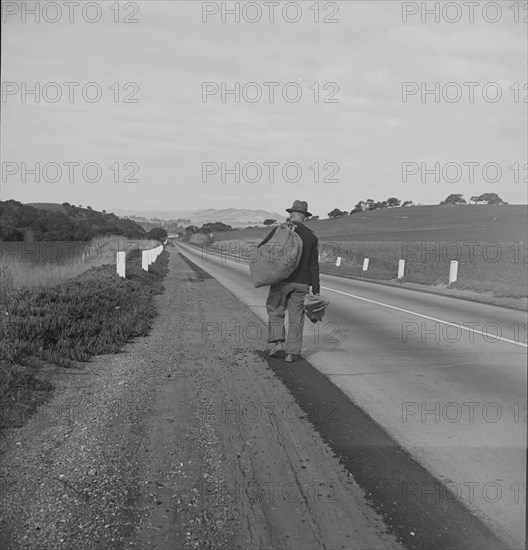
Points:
point(360, 140)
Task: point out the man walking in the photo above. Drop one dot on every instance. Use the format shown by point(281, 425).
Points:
point(289, 294)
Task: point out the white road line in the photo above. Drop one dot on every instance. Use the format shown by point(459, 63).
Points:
point(448, 323)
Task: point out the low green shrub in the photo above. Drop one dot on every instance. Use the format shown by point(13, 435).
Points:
point(92, 314)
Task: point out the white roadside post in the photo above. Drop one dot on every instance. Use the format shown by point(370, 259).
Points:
point(338, 261)
point(453, 271)
point(365, 264)
point(121, 264)
point(401, 268)
point(144, 260)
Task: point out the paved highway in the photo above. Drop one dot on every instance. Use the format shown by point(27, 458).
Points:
point(445, 377)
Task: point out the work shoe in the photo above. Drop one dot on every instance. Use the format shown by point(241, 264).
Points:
point(277, 349)
point(291, 357)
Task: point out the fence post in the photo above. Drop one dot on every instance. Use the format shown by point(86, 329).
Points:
point(365, 264)
point(453, 271)
point(338, 261)
point(401, 268)
point(121, 264)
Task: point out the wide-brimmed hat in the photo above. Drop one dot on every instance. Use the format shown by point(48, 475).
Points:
point(299, 206)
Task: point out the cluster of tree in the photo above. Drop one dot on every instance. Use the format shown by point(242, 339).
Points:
point(337, 213)
point(170, 228)
point(485, 198)
point(172, 225)
point(369, 204)
point(157, 233)
point(216, 227)
point(392, 202)
point(19, 222)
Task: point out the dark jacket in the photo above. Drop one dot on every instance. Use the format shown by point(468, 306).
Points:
point(307, 272)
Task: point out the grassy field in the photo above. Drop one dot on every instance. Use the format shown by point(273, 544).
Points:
point(463, 223)
point(45, 263)
point(500, 268)
point(96, 312)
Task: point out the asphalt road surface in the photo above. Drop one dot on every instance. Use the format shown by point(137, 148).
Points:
point(444, 378)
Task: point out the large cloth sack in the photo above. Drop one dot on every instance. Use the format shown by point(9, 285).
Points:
point(315, 306)
point(276, 259)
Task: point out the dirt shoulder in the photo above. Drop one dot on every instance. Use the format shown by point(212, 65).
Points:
point(181, 441)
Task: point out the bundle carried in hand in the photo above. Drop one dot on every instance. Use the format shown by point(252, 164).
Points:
point(276, 259)
point(315, 306)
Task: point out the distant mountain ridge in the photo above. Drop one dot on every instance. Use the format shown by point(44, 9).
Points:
point(236, 217)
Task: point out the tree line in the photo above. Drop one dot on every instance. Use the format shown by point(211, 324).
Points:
point(215, 227)
point(392, 202)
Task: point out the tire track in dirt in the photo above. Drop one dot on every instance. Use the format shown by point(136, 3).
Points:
point(264, 477)
point(383, 469)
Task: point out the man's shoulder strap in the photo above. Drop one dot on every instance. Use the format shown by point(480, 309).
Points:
point(288, 225)
point(296, 225)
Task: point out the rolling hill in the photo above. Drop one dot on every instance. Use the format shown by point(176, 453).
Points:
point(60, 222)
